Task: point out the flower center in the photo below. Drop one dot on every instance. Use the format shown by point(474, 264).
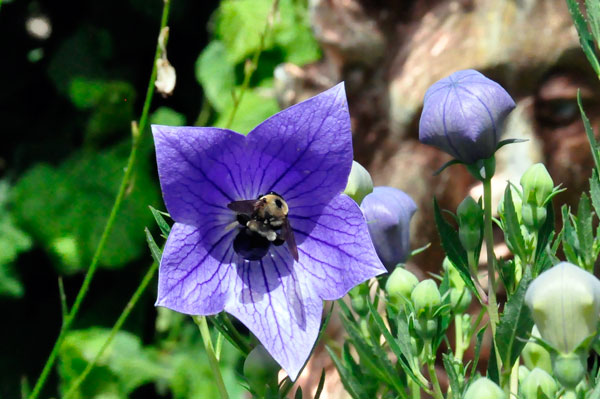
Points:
point(262, 222)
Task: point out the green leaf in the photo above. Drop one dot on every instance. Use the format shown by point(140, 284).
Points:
point(320, 386)
point(585, 233)
point(450, 364)
point(348, 381)
point(515, 323)
point(585, 38)
point(452, 246)
point(545, 235)
point(595, 191)
point(593, 14)
point(154, 249)
point(477, 352)
point(160, 221)
point(569, 237)
point(492, 370)
point(167, 116)
point(512, 226)
point(82, 190)
point(256, 106)
point(589, 131)
point(298, 394)
point(215, 72)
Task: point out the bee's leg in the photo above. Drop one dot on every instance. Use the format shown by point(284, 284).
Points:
point(278, 241)
point(242, 219)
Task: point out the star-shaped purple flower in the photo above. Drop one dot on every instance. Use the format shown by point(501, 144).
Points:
point(261, 229)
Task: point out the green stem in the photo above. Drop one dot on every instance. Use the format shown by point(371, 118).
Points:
point(415, 389)
point(430, 360)
point(119, 323)
point(212, 359)
point(492, 307)
point(252, 65)
point(68, 321)
point(459, 339)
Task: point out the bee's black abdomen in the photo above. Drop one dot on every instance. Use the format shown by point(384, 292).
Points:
point(250, 246)
point(242, 219)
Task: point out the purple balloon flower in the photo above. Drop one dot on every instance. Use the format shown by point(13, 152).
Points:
point(232, 198)
point(388, 212)
point(464, 114)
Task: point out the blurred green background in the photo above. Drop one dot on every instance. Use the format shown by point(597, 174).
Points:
point(73, 77)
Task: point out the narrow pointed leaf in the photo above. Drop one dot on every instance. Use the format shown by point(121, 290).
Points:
point(154, 249)
point(585, 38)
point(544, 237)
point(160, 221)
point(593, 14)
point(595, 192)
point(478, 343)
point(345, 376)
point(569, 237)
point(585, 233)
point(455, 384)
point(516, 322)
point(453, 247)
point(512, 226)
point(589, 131)
point(321, 385)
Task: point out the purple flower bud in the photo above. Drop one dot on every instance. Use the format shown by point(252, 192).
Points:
point(388, 212)
point(463, 115)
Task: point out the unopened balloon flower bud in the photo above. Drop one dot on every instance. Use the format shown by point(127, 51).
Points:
point(388, 212)
point(484, 388)
point(569, 369)
point(565, 304)
point(534, 355)
point(533, 216)
point(425, 327)
point(460, 299)
point(399, 285)
point(523, 373)
point(537, 185)
point(463, 115)
point(359, 183)
point(538, 381)
point(470, 222)
point(454, 277)
point(260, 370)
point(426, 297)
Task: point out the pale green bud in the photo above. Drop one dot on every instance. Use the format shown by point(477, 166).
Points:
point(484, 389)
point(260, 370)
point(523, 373)
point(400, 284)
point(358, 299)
point(460, 299)
point(470, 221)
point(516, 199)
point(454, 277)
point(359, 183)
point(535, 355)
point(533, 216)
point(537, 185)
point(538, 381)
point(426, 327)
point(565, 304)
point(569, 369)
point(426, 296)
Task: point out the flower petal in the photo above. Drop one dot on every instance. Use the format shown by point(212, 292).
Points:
point(335, 249)
point(280, 309)
point(193, 279)
point(306, 150)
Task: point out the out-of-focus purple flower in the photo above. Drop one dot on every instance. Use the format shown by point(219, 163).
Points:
point(464, 114)
point(388, 212)
point(245, 261)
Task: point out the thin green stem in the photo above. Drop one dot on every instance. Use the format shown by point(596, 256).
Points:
point(430, 360)
point(492, 307)
point(252, 65)
point(459, 351)
point(212, 359)
point(113, 333)
point(415, 389)
point(109, 223)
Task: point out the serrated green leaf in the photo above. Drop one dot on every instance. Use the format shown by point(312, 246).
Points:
point(515, 323)
point(82, 190)
point(477, 352)
point(351, 387)
point(545, 235)
point(160, 221)
point(585, 233)
point(595, 192)
point(569, 237)
point(452, 246)
point(455, 384)
point(216, 75)
point(154, 249)
point(585, 38)
point(512, 226)
point(593, 14)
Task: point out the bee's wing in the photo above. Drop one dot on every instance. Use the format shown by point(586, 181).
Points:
point(288, 236)
point(244, 206)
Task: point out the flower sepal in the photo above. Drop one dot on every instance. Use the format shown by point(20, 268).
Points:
point(359, 184)
point(482, 169)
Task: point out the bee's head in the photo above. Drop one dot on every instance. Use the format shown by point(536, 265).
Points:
point(275, 205)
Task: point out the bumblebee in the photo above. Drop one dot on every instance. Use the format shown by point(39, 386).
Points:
point(266, 218)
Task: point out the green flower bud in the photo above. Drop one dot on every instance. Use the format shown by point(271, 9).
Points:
point(535, 355)
point(460, 299)
point(565, 304)
point(400, 284)
point(358, 299)
point(470, 221)
point(454, 277)
point(425, 327)
point(537, 185)
point(517, 202)
point(359, 183)
point(569, 369)
point(533, 216)
point(426, 297)
point(484, 389)
point(538, 381)
point(260, 370)
point(523, 373)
